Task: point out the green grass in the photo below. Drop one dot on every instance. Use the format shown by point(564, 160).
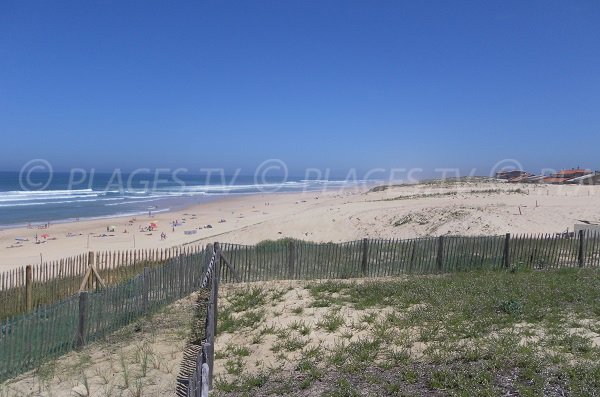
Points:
point(243, 308)
point(301, 327)
point(228, 322)
point(480, 333)
point(247, 298)
point(332, 321)
point(454, 193)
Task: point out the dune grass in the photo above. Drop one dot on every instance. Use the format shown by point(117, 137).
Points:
point(485, 333)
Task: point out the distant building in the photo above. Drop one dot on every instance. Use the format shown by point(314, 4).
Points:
point(508, 175)
point(589, 179)
point(565, 176)
point(526, 178)
point(573, 176)
point(534, 179)
point(554, 180)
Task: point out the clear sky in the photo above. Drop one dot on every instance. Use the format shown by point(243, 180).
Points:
point(335, 84)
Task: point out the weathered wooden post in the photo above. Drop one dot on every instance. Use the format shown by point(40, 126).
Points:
point(365, 256)
point(29, 287)
point(217, 279)
point(83, 299)
point(195, 385)
point(205, 380)
point(208, 352)
point(440, 253)
point(207, 347)
point(291, 259)
point(581, 254)
point(145, 289)
point(506, 257)
point(91, 262)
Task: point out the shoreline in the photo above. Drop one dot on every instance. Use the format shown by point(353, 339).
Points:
point(39, 225)
point(336, 215)
point(179, 204)
point(81, 234)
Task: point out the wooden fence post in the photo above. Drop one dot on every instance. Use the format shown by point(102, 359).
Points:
point(207, 257)
point(581, 255)
point(216, 280)
point(195, 385)
point(208, 351)
point(506, 258)
point(205, 380)
point(440, 253)
point(291, 257)
point(365, 256)
point(29, 287)
point(83, 298)
point(91, 262)
point(145, 289)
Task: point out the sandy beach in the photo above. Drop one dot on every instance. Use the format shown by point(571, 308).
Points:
point(464, 208)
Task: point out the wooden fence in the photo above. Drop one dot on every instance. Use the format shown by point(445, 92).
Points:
point(29, 287)
point(52, 330)
point(196, 373)
point(293, 259)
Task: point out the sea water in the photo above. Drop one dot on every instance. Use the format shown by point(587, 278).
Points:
point(40, 198)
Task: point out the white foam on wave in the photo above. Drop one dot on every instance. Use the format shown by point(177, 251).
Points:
point(39, 198)
point(38, 203)
point(34, 193)
point(133, 202)
point(91, 218)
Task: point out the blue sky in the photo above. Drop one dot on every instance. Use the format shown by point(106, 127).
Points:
point(327, 84)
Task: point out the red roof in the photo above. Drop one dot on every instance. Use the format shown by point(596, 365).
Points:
point(555, 180)
point(573, 172)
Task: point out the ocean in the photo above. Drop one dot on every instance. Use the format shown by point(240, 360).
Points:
point(39, 197)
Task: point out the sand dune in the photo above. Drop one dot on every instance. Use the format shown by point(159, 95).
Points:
point(465, 208)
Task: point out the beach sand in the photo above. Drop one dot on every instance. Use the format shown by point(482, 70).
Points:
point(461, 208)
point(396, 212)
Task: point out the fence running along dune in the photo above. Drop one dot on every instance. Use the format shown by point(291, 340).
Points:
point(293, 259)
point(28, 287)
point(24, 289)
point(49, 331)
